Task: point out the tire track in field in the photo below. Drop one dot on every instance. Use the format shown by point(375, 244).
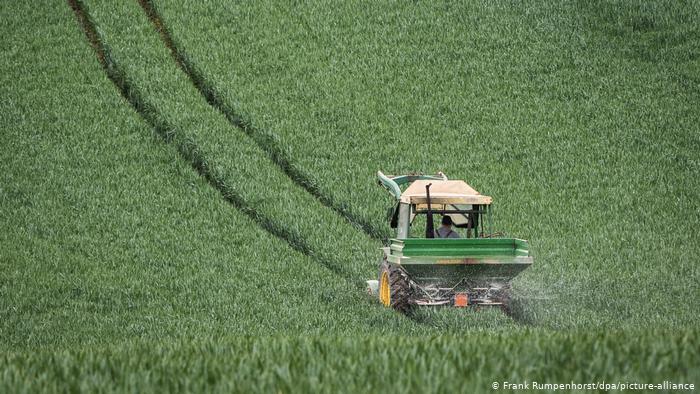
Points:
point(263, 139)
point(187, 147)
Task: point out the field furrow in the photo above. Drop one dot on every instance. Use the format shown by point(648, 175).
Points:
point(264, 139)
point(187, 148)
point(228, 159)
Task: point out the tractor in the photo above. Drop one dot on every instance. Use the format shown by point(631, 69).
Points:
point(418, 267)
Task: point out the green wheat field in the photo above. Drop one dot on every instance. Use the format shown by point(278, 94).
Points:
point(188, 197)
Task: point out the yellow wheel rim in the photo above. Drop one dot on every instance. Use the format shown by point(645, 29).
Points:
point(384, 290)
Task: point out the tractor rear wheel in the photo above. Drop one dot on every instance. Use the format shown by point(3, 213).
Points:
point(394, 287)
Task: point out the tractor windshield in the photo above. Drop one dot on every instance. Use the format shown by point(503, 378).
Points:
point(468, 221)
point(457, 205)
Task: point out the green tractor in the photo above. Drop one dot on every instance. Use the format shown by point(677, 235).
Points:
point(419, 267)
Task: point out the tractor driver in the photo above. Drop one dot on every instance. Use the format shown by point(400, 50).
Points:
point(445, 231)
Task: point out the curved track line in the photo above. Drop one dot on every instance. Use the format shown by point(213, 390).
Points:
point(187, 147)
point(263, 139)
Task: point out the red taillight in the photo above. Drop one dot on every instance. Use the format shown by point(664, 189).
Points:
point(461, 300)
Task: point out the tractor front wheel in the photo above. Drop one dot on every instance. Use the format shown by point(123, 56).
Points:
point(394, 287)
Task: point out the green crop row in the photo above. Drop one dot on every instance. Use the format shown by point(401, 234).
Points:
point(580, 119)
point(362, 364)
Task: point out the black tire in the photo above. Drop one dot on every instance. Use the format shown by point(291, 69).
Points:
point(399, 286)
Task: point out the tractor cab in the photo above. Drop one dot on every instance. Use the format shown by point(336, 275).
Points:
point(434, 195)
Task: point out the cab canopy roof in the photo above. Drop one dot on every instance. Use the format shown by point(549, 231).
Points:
point(443, 192)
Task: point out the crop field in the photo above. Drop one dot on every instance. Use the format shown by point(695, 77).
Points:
point(188, 197)
point(581, 119)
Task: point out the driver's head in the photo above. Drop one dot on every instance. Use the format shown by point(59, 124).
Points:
point(446, 221)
